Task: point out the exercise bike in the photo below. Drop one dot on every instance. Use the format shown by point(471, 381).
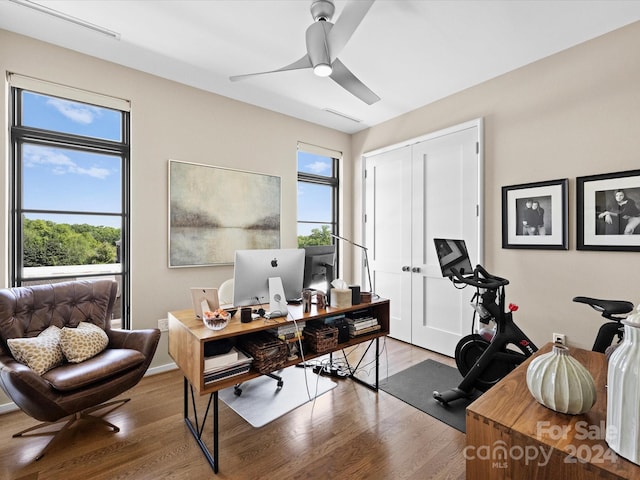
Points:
point(484, 361)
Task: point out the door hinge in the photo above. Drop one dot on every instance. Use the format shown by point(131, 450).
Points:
point(365, 218)
point(477, 210)
point(477, 148)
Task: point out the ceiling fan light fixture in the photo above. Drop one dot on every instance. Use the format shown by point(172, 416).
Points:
point(323, 70)
point(325, 41)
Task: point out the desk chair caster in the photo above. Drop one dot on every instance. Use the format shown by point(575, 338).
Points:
point(237, 391)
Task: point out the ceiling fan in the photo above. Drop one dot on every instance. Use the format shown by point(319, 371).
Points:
point(325, 41)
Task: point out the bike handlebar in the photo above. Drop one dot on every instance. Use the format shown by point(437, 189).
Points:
point(480, 278)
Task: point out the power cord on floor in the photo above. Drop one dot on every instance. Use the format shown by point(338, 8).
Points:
point(370, 367)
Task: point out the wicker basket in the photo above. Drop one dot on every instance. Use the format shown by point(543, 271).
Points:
point(269, 353)
point(321, 339)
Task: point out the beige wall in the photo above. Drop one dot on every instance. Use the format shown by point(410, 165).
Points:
point(573, 114)
point(576, 113)
point(169, 121)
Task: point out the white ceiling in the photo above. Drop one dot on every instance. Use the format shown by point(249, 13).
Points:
point(410, 53)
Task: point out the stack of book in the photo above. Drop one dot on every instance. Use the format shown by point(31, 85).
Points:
point(288, 331)
point(226, 365)
point(362, 325)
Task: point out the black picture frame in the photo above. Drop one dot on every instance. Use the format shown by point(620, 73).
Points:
point(541, 225)
point(604, 223)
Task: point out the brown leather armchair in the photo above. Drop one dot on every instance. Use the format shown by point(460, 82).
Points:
point(70, 391)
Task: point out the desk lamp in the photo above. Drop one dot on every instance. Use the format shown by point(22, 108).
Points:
point(366, 258)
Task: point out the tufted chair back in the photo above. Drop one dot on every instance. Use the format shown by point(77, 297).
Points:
point(27, 311)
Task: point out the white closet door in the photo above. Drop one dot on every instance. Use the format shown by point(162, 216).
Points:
point(388, 214)
point(425, 189)
point(445, 205)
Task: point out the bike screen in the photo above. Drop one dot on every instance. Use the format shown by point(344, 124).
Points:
point(452, 254)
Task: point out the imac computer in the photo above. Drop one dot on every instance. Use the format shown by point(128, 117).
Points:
point(254, 274)
point(319, 266)
point(452, 254)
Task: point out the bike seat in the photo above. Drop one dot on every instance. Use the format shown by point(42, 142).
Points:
point(607, 307)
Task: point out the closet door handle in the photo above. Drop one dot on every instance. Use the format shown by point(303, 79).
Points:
point(416, 269)
point(406, 268)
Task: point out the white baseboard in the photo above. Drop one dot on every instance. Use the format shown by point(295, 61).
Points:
point(8, 407)
point(161, 369)
point(11, 407)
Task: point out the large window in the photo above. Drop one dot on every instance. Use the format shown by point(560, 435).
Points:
point(317, 196)
point(70, 185)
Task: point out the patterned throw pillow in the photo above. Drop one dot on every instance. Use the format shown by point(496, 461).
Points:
point(81, 343)
point(41, 353)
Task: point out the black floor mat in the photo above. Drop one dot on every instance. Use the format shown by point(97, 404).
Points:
point(416, 384)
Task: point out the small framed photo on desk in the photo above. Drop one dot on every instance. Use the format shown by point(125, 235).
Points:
point(199, 295)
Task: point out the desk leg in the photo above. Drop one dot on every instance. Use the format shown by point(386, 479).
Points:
point(197, 429)
point(351, 370)
point(377, 363)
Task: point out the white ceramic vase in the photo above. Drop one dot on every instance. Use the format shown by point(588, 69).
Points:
point(623, 393)
point(560, 382)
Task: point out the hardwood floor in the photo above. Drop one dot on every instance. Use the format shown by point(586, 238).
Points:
point(349, 433)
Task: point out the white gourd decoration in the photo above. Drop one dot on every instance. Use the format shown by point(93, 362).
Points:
point(560, 382)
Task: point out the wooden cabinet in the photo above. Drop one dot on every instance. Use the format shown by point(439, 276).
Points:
point(511, 436)
point(187, 337)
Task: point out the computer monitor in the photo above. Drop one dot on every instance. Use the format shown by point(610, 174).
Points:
point(319, 266)
point(452, 254)
point(252, 271)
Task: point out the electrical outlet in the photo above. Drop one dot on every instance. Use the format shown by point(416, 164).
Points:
point(163, 324)
point(560, 338)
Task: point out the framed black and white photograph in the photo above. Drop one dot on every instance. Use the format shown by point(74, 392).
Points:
point(608, 211)
point(535, 215)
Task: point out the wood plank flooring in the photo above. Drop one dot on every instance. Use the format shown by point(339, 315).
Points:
point(349, 433)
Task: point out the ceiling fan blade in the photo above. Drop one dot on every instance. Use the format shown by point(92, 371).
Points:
point(304, 62)
point(347, 80)
point(344, 27)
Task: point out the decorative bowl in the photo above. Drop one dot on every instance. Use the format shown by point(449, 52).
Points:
point(216, 320)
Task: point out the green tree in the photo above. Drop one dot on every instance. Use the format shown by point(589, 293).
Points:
point(104, 253)
point(47, 243)
point(101, 233)
point(318, 236)
point(34, 242)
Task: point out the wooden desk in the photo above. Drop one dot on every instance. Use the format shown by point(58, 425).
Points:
point(188, 336)
point(511, 436)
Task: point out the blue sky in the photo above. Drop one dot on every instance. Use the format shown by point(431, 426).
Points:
point(65, 179)
point(314, 201)
point(71, 117)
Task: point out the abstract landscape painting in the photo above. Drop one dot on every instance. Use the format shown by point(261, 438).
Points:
point(215, 211)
